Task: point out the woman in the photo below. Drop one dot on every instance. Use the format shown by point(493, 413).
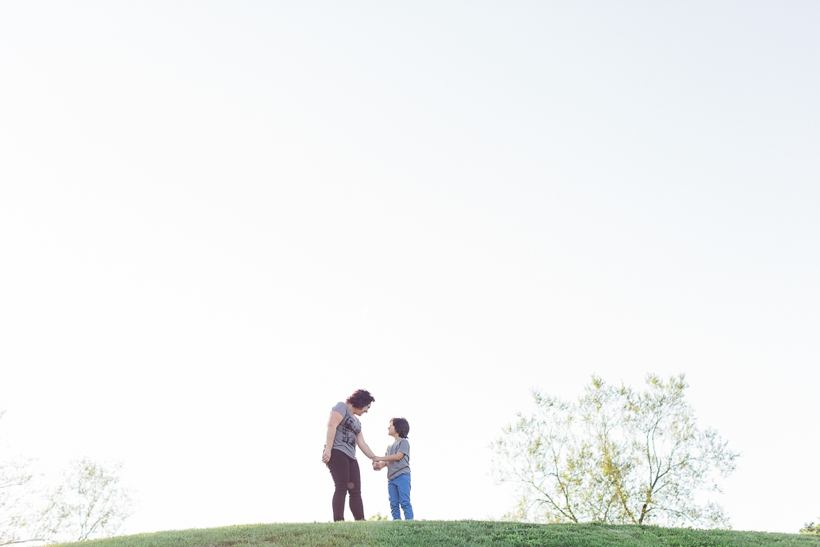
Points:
point(344, 432)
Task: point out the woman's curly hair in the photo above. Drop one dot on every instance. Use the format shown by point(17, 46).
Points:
point(360, 398)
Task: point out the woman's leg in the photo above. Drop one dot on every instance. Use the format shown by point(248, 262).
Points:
point(340, 471)
point(403, 486)
point(393, 496)
point(355, 488)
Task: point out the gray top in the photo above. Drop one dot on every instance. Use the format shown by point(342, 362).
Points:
point(347, 431)
point(394, 469)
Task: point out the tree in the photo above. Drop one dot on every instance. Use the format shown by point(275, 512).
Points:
point(89, 503)
point(811, 528)
point(15, 476)
point(615, 456)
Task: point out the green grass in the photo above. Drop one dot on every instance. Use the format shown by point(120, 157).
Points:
point(454, 534)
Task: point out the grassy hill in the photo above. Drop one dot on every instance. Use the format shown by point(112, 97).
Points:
point(452, 534)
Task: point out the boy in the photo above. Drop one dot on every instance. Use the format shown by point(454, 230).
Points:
point(397, 461)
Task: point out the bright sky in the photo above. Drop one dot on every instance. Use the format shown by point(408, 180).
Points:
point(219, 219)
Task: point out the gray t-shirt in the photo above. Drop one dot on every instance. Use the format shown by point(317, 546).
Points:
point(394, 469)
point(347, 431)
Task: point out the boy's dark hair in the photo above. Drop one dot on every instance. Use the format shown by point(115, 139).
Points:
point(402, 427)
point(360, 398)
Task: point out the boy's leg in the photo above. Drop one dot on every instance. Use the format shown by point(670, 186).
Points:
point(340, 471)
point(393, 495)
point(403, 484)
point(355, 490)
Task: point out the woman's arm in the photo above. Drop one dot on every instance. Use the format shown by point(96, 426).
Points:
point(364, 448)
point(332, 423)
point(394, 458)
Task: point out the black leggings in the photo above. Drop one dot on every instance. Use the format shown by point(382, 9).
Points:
point(346, 477)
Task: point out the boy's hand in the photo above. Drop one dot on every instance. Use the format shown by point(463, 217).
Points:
point(377, 466)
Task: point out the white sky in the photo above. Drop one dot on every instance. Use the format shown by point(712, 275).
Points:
point(217, 219)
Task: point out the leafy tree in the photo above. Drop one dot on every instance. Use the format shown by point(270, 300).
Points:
point(615, 456)
point(811, 528)
point(15, 476)
point(88, 503)
point(16, 485)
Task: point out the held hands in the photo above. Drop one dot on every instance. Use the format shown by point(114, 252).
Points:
point(377, 464)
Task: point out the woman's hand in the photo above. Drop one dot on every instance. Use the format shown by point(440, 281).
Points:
point(326, 455)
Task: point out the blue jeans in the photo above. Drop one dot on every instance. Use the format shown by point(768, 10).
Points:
point(399, 491)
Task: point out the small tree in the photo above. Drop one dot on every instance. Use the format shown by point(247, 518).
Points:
point(90, 503)
point(811, 528)
point(615, 456)
point(15, 524)
point(16, 499)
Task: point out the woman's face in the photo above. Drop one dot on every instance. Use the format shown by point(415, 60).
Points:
point(360, 411)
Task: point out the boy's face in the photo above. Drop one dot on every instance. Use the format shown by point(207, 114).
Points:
point(391, 430)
